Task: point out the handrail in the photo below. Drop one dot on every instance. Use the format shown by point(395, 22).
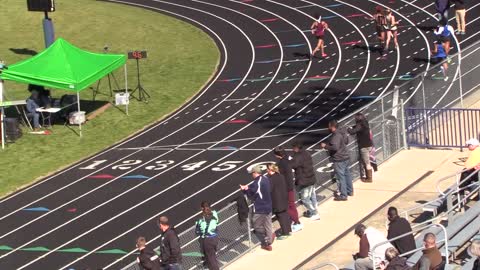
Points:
point(323, 265)
point(443, 195)
point(457, 179)
point(445, 240)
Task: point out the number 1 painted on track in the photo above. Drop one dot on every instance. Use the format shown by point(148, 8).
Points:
point(94, 165)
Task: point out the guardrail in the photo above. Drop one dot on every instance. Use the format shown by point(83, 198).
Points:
point(387, 119)
point(441, 127)
point(445, 241)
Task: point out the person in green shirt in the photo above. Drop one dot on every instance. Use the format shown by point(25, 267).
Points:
point(206, 229)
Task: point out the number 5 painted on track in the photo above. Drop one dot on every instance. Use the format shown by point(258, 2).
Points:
point(227, 165)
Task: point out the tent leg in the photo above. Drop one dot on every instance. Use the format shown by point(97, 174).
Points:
point(78, 109)
point(126, 87)
point(2, 116)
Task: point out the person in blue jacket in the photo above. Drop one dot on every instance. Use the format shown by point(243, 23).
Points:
point(259, 192)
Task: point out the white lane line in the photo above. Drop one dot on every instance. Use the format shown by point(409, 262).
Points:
point(91, 191)
point(398, 54)
point(252, 141)
point(459, 59)
point(118, 160)
point(184, 160)
point(424, 38)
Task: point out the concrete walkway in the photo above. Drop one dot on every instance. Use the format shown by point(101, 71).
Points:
point(337, 218)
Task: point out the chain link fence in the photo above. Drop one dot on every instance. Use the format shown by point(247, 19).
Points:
point(387, 123)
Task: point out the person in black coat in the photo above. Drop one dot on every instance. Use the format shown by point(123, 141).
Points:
point(287, 172)
point(147, 258)
point(279, 200)
point(399, 226)
point(365, 144)
point(170, 251)
point(305, 179)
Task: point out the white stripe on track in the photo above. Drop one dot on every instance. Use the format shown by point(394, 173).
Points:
point(397, 64)
point(250, 142)
point(196, 154)
point(225, 175)
point(118, 177)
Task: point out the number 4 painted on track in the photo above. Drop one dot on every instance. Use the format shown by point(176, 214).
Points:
point(193, 166)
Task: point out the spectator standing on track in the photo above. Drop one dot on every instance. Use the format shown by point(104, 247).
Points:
point(287, 172)
point(259, 192)
point(395, 262)
point(442, 7)
point(365, 144)
point(305, 180)
point(206, 230)
point(460, 16)
point(369, 238)
point(337, 148)
point(318, 29)
point(439, 56)
point(279, 200)
point(170, 251)
point(147, 258)
point(400, 226)
point(391, 29)
point(431, 258)
point(474, 250)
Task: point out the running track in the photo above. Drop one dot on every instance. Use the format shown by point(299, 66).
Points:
point(264, 94)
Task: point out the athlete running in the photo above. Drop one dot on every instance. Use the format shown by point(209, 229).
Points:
point(438, 56)
point(444, 33)
point(391, 28)
point(318, 29)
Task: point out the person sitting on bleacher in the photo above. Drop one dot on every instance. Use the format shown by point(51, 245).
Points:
point(369, 239)
point(395, 262)
point(474, 250)
point(431, 258)
point(400, 226)
point(471, 165)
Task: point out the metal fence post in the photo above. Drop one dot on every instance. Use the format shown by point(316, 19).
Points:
point(460, 78)
point(423, 90)
point(385, 153)
point(404, 129)
point(460, 112)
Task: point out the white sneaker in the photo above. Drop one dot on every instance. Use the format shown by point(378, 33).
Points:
point(445, 79)
point(297, 227)
point(315, 217)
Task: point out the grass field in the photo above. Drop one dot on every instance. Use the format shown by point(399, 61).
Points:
point(181, 58)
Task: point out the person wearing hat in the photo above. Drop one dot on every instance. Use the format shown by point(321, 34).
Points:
point(259, 192)
point(369, 239)
point(474, 251)
point(472, 165)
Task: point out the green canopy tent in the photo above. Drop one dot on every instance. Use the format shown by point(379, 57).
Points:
point(64, 66)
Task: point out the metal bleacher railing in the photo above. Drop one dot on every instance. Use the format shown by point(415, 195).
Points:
point(387, 121)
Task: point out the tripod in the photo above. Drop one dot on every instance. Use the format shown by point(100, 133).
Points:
point(142, 93)
point(110, 76)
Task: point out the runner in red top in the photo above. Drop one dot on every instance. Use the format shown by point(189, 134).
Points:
point(318, 29)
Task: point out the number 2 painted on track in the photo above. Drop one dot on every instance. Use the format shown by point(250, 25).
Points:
point(127, 162)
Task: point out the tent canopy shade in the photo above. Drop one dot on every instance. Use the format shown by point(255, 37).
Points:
point(63, 66)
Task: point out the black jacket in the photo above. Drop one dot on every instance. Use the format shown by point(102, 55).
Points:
point(287, 172)
point(242, 208)
point(476, 264)
point(302, 163)
point(398, 263)
point(362, 132)
point(459, 4)
point(279, 193)
point(337, 146)
point(148, 260)
point(397, 227)
point(170, 247)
